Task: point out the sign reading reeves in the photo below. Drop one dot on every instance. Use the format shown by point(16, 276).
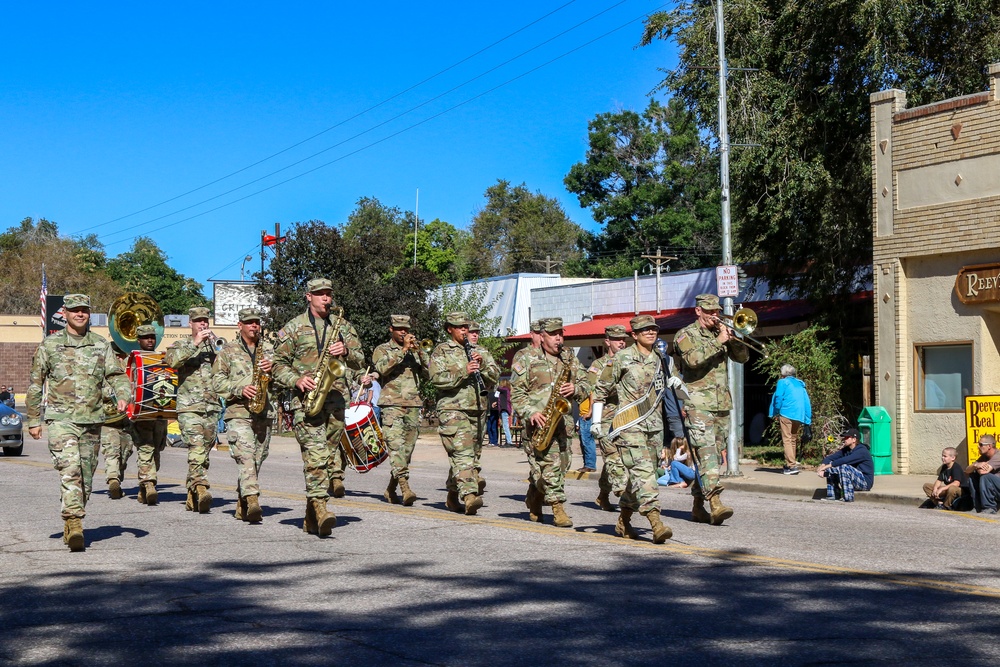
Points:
point(978, 284)
point(981, 418)
point(231, 298)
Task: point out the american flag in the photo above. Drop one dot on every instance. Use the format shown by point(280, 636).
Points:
point(41, 297)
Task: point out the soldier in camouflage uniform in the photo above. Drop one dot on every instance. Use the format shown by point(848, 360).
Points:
point(148, 435)
point(461, 410)
point(531, 387)
point(75, 363)
point(116, 435)
point(535, 348)
point(488, 360)
point(400, 365)
point(296, 366)
point(198, 405)
point(613, 475)
point(703, 347)
point(638, 372)
point(249, 433)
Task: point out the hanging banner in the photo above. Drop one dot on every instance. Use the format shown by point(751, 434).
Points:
point(55, 316)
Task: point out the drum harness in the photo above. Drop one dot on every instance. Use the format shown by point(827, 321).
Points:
point(638, 410)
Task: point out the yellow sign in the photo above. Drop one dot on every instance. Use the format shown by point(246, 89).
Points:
point(982, 414)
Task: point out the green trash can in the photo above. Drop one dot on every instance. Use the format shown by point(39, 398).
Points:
point(874, 423)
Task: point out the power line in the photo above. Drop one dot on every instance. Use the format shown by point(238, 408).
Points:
point(238, 259)
point(338, 124)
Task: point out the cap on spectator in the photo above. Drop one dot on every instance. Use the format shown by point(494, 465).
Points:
point(399, 321)
point(640, 322)
point(318, 284)
point(198, 313)
point(76, 301)
point(249, 315)
point(536, 326)
point(707, 302)
point(552, 325)
point(456, 319)
point(615, 331)
point(145, 330)
point(850, 433)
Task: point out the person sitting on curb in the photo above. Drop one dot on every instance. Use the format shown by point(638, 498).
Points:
point(848, 469)
point(984, 476)
point(947, 490)
point(675, 457)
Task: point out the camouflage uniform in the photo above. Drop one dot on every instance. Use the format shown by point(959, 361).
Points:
point(703, 369)
point(488, 361)
point(521, 358)
point(613, 475)
point(631, 376)
point(198, 405)
point(248, 433)
point(400, 375)
point(461, 411)
point(531, 385)
point(75, 368)
point(297, 354)
point(116, 437)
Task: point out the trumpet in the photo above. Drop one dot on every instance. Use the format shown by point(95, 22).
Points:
point(427, 345)
point(215, 343)
point(743, 322)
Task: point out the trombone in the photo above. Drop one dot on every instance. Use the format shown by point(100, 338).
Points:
point(743, 323)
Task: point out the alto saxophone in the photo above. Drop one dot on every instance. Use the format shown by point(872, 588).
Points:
point(260, 380)
point(328, 370)
point(555, 410)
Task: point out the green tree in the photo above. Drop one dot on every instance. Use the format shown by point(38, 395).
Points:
point(517, 227)
point(440, 249)
point(144, 269)
point(652, 182)
point(802, 198)
point(472, 299)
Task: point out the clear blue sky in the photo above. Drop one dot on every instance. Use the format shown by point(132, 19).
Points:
point(112, 108)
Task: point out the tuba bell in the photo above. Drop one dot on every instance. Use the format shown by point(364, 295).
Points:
point(127, 313)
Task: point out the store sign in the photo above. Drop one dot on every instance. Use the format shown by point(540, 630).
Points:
point(231, 298)
point(982, 414)
point(978, 284)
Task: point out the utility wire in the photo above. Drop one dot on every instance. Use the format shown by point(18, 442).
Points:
point(336, 125)
point(238, 259)
point(397, 133)
point(370, 129)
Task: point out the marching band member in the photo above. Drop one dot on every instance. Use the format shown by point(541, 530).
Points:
point(148, 435)
point(531, 394)
point(400, 365)
point(301, 343)
point(198, 405)
point(487, 361)
point(249, 432)
point(461, 407)
point(116, 435)
point(613, 475)
point(75, 363)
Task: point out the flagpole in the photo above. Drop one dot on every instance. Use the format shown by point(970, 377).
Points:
point(42, 296)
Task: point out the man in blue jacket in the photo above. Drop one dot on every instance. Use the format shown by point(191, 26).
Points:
point(848, 469)
point(790, 404)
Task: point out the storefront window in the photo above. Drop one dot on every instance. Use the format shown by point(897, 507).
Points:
point(944, 376)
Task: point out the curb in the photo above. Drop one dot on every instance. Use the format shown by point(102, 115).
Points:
point(820, 493)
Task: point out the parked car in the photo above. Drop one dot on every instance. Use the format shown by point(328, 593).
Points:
point(11, 431)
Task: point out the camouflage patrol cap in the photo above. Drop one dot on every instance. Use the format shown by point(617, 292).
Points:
point(707, 302)
point(249, 315)
point(474, 326)
point(399, 321)
point(456, 319)
point(76, 301)
point(145, 330)
point(640, 322)
point(318, 284)
point(615, 331)
point(552, 325)
point(536, 326)
point(198, 313)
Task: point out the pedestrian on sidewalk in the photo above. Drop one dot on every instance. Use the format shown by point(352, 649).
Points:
point(791, 405)
point(848, 469)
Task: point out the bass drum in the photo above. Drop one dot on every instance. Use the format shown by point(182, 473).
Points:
point(363, 443)
point(154, 387)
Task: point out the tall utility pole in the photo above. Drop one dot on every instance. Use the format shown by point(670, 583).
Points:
point(548, 263)
point(660, 260)
point(735, 369)
point(416, 223)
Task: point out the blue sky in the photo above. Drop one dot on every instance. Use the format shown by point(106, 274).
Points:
point(112, 108)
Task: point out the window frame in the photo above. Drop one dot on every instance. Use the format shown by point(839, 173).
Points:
point(918, 375)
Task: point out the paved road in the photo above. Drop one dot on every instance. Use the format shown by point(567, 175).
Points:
point(787, 580)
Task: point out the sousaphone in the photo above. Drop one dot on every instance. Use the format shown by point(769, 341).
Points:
point(130, 311)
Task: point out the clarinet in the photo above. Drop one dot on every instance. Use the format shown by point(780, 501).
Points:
point(479, 376)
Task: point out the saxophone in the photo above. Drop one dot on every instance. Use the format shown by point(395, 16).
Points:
point(555, 410)
point(327, 371)
point(260, 380)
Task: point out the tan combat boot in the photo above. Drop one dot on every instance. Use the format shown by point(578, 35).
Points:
point(337, 489)
point(661, 533)
point(325, 519)
point(203, 498)
point(114, 489)
point(604, 501)
point(719, 511)
point(533, 501)
point(390, 494)
point(148, 493)
point(309, 523)
point(141, 496)
point(698, 513)
point(240, 512)
point(482, 483)
point(624, 526)
point(472, 504)
point(451, 502)
point(190, 502)
point(73, 533)
point(409, 497)
point(253, 513)
point(559, 516)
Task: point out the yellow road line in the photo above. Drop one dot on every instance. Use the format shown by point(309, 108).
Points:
point(669, 547)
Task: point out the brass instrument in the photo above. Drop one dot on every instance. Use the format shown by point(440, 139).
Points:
point(127, 313)
point(214, 343)
point(743, 323)
point(555, 409)
point(427, 345)
point(480, 383)
point(260, 380)
point(328, 370)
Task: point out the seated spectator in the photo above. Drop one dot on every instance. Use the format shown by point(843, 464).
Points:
point(946, 491)
point(679, 473)
point(848, 469)
point(984, 476)
point(4, 395)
